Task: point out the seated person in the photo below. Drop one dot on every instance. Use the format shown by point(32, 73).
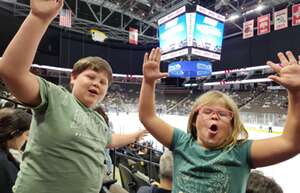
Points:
point(108, 181)
point(258, 183)
point(14, 126)
point(165, 174)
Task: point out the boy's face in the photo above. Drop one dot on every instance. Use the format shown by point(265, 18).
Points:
point(213, 125)
point(89, 86)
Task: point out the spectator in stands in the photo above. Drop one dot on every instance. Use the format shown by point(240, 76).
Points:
point(68, 139)
point(14, 126)
point(259, 183)
point(165, 175)
point(138, 135)
point(144, 149)
point(215, 155)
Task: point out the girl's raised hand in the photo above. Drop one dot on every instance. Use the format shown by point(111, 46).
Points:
point(151, 66)
point(46, 10)
point(288, 71)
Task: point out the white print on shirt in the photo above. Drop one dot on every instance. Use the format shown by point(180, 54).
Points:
point(86, 125)
point(212, 180)
point(207, 176)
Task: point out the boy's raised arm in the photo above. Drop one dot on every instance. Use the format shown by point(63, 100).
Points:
point(18, 56)
point(162, 131)
point(120, 140)
point(274, 150)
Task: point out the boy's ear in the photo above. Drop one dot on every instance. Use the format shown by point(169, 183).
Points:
point(72, 79)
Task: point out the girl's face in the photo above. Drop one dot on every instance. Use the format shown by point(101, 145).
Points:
point(213, 125)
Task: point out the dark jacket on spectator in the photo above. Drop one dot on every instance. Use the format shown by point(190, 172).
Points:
point(8, 172)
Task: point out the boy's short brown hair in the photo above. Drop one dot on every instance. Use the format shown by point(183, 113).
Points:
point(94, 63)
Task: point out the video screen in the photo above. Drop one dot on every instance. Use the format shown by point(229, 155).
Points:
point(208, 33)
point(173, 34)
point(184, 69)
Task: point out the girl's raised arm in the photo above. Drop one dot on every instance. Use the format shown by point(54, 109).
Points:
point(161, 130)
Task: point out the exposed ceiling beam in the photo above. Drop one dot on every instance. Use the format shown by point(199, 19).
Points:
point(171, 6)
point(82, 25)
point(117, 8)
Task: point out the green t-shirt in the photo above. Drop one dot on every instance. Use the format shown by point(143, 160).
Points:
point(65, 150)
point(200, 170)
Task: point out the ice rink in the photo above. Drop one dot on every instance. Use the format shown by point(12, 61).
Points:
point(285, 173)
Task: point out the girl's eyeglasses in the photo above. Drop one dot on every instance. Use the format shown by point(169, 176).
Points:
point(220, 112)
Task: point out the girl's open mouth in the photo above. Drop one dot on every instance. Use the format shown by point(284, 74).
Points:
point(213, 129)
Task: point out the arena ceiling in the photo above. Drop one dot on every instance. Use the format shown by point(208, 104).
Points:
point(114, 17)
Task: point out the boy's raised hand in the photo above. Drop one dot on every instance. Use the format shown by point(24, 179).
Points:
point(288, 71)
point(151, 66)
point(140, 134)
point(46, 10)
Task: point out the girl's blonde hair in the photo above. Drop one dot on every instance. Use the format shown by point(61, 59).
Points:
point(239, 132)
